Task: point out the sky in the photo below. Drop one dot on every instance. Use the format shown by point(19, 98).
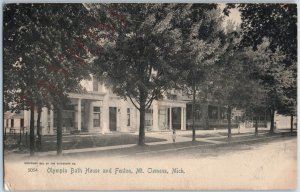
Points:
point(234, 15)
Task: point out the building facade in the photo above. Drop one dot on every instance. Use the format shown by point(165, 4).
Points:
point(99, 110)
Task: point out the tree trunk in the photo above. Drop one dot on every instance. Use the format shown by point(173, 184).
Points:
point(142, 126)
point(219, 115)
point(229, 121)
point(39, 129)
point(141, 141)
point(59, 130)
point(206, 116)
point(292, 123)
point(31, 137)
point(256, 127)
point(193, 113)
point(272, 113)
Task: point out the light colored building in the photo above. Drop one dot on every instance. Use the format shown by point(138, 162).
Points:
point(98, 110)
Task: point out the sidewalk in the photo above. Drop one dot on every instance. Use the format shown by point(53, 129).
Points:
point(183, 140)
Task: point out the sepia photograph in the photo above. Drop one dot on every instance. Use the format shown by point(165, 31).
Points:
point(149, 96)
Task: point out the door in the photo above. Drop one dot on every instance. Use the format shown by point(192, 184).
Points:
point(176, 118)
point(112, 118)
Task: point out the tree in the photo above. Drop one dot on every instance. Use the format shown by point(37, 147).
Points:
point(288, 101)
point(233, 85)
point(278, 24)
point(278, 79)
point(135, 57)
point(44, 67)
point(202, 44)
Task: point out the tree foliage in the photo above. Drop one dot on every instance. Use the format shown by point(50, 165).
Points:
point(271, 31)
point(40, 64)
point(202, 42)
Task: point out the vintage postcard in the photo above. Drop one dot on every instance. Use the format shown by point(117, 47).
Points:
point(152, 96)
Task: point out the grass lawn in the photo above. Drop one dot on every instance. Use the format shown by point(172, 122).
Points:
point(78, 141)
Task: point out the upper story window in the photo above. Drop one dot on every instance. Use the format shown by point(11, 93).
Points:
point(171, 96)
point(97, 109)
point(95, 84)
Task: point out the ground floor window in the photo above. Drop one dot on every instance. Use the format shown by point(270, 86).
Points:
point(128, 116)
point(148, 117)
point(12, 123)
point(21, 122)
point(96, 118)
point(163, 124)
point(68, 118)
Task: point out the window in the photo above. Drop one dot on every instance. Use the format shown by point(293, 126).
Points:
point(95, 84)
point(97, 109)
point(21, 122)
point(96, 117)
point(148, 117)
point(128, 116)
point(171, 96)
point(68, 118)
point(6, 122)
point(11, 123)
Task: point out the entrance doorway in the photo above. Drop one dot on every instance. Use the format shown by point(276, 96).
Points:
point(176, 117)
point(112, 118)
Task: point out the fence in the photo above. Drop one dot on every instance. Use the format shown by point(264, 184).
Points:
point(16, 137)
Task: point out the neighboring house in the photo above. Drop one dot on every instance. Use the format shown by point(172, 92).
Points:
point(282, 121)
point(14, 122)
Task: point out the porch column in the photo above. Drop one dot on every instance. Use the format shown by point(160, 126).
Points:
point(105, 115)
point(155, 116)
point(44, 120)
point(123, 124)
point(26, 120)
point(90, 117)
point(182, 119)
point(170, 118)
point(79, 115)
point(51, 122)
